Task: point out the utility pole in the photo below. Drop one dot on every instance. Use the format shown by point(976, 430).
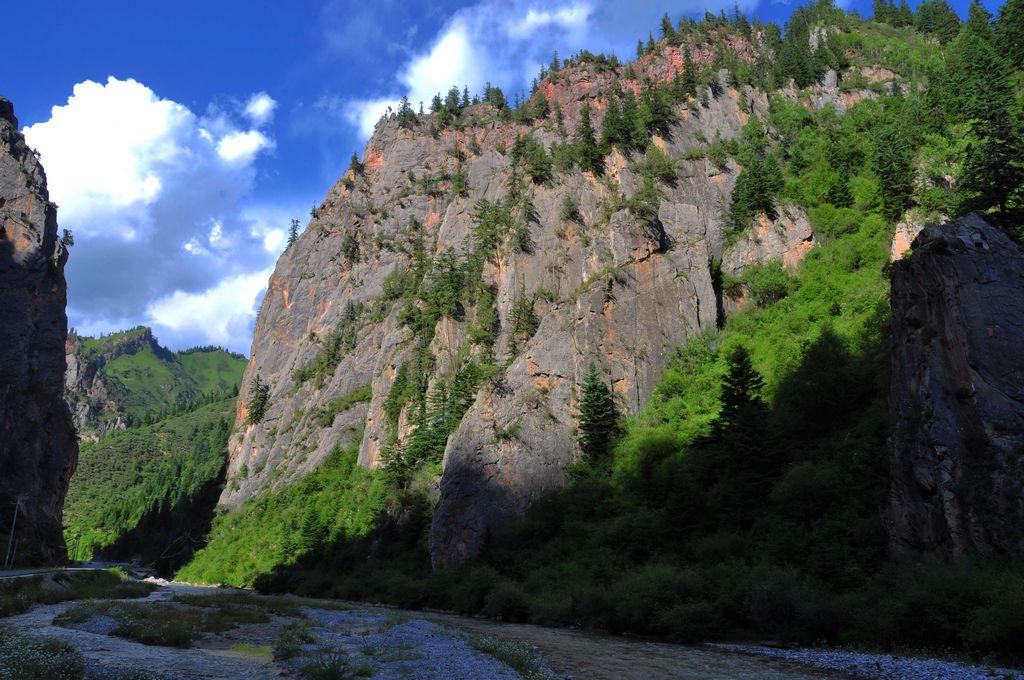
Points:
point(9, 559)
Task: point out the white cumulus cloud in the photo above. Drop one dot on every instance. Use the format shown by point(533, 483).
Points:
point(221, 315)
point(260, 108)
point(242, 147)
point(573, 18)
point(158, 198)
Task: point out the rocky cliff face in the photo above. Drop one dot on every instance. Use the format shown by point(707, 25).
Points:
point(603, 285)
point(38, 450)
point(957, 394)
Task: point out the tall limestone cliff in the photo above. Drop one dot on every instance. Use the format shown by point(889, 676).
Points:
point(957, 394)
point(38, 450)
point(370, 325)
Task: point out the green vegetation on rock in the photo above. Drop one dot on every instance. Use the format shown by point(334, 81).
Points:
point(338, 500)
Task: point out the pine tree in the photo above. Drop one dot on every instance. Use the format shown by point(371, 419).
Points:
point(259, 400)
point(495, 97)
point(892, 163)
point(796, 60)
point(406, 116)
point(611, 125)
point(839, 193)
point(880, 11)
point(588, 153)
point(1009, 33)
point(668, 31)
point(293, 233)
point(903, 16)
point(355, 165)
point(993, 172)
point(541, 107)
point(311, 533)
point(689, 82)
point(741, 21)
point(938, 18)
point(741, 391)
point(598, 417)
point(979, 21)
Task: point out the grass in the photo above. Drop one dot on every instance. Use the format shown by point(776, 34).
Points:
point(280, 605)
point(334, 664)
point(262, 652)
point(231, 602)
point(189, 617)
point(18, 595)
point(29, 657)
point(517, 655)
point(163, 624)
point(325, 416)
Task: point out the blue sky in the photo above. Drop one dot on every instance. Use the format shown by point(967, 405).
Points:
point(188, 134)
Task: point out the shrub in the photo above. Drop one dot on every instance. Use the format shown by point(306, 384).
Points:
point(334, 664)
point(767, 283)
point(28, 657)
point(507, 602)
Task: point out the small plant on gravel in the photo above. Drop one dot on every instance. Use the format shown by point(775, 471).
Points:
point(519, 656)
point(25, 657)
point(334, 664)
point(291, 639)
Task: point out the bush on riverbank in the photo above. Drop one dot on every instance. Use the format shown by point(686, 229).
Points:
point(19, 594)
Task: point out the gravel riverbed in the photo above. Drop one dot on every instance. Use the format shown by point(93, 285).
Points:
point(879, 666)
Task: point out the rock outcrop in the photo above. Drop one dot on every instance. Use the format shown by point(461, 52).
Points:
point(38, 450)
point(786, 239)
point(957, 394)
point(597, 283)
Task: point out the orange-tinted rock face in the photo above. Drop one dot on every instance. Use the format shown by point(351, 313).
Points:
point(38, 450)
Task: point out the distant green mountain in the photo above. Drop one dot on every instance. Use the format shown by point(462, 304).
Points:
point(128, 378)
point(148, 493)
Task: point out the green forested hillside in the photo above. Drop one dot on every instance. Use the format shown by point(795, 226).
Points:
point(338, 499)
point(132, 476)
point(744, 500)
point(149, 381)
